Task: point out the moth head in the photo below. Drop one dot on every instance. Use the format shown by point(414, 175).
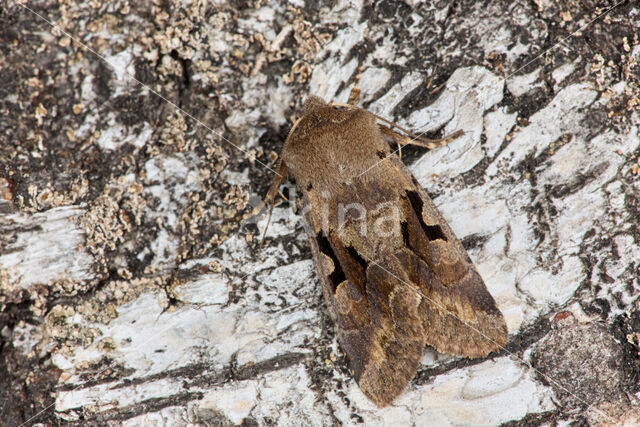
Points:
point(313, 104)
point(314, 108)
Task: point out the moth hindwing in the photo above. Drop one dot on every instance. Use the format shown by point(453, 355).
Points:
point(394, 276)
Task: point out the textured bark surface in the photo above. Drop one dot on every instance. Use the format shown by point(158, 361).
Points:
point(131, 293)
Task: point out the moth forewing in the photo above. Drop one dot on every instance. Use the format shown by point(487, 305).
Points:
point(394, 276)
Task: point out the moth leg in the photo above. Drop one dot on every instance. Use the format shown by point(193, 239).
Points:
point(271, 206)
point(397, 138)
point(354, 95)
point(266, 227)
point(412, 139)
point(281, 173)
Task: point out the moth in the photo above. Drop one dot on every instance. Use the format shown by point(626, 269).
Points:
point(394, 276)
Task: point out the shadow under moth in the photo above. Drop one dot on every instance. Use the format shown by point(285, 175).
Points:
point(394, 276)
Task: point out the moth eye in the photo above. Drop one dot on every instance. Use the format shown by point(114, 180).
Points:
point(381, 154)
point(309, 186)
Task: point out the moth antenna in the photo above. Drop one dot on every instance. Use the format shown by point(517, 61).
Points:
point(412, 139)
point(354, 95)
point(341, 104)
point(437, 88)
point(430, 82)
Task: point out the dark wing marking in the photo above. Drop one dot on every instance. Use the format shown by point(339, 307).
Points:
point(459, 314)
point(378, 323)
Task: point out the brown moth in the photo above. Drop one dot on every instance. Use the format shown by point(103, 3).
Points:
point(394, 276)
